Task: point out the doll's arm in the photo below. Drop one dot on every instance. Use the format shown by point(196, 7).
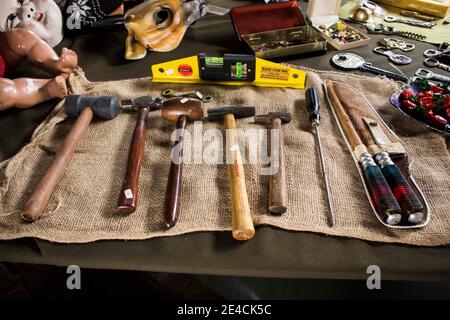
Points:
point(18, 44)
point(26, 92)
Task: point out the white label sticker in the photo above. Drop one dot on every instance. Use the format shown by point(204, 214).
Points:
point(184, 100)
point(169, 72)
point(128, 194)
point(234, 147)
point(199, 95)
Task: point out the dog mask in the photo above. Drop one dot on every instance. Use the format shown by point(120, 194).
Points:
point(159, 25)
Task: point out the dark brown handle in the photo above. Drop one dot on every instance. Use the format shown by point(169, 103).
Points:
point(173, 190)
point(38, 201)
point(128, 197)
point(277, 184)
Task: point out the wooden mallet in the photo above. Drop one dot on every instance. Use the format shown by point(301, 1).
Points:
point(277, 184)
point(75, 106)
point(179, 110)
point(242, 223)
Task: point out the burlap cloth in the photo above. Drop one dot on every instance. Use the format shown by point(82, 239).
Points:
point(82, 207)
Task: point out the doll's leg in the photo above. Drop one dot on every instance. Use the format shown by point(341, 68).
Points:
point(24, 43)
point(25, 93)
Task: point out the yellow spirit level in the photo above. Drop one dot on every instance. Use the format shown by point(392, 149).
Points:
point(231, 69)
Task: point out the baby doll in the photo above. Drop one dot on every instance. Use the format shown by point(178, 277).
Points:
point(16, 45)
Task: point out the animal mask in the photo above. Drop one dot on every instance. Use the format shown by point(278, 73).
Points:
point(43, 17)
point(160, 25)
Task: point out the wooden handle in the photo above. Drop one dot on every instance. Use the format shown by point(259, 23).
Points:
point(346, 124)
point(277, 183)
point(38, 201)
point(356, 107)
point(128, 197)
point(173, 190)
point(242, 223)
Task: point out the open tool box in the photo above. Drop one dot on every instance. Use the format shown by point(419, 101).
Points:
point(395, 162)
point(276, 30)
point(324, 17)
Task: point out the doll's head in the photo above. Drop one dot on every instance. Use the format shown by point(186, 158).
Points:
point(43, 17)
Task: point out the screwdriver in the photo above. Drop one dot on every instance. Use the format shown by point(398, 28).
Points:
point(313, 107)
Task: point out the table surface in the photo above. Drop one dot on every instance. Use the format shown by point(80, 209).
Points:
point(273, 252)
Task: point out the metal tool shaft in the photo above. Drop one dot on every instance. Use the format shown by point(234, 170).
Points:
point(325, 176)
point(313, 107)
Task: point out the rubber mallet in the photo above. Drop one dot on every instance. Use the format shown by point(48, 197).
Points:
point(277, 182)
point(80, 107)
point(242, 223)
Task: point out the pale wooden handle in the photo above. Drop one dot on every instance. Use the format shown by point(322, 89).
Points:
point(242, 223)
point(347, 126)
point(277, 184)
point(38, 201)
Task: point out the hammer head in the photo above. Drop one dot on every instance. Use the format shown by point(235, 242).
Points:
point(103, 107)
point(218, 114)
point(173, 108)
point(285, 117)
point(142, 102)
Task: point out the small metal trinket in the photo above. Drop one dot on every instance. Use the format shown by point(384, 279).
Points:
point(394, 57)
point(391, 43)
point(417, 15)
point(342, 33)
point(276, 44)
point(380, 28)
point(361, 14)
point(411, 22)
point(170, 93)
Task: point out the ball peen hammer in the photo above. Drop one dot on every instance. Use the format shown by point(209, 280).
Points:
point(128, 197)
point(242, 223)
point(84, 109)
point(277, 184)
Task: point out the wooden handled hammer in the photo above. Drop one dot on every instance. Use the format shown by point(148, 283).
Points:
point(179, 110)
point(128, 197)
point(75, 106)
point(242, 223)
point(277, 184)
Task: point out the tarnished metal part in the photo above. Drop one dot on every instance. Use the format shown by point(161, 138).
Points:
point(169, 93)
